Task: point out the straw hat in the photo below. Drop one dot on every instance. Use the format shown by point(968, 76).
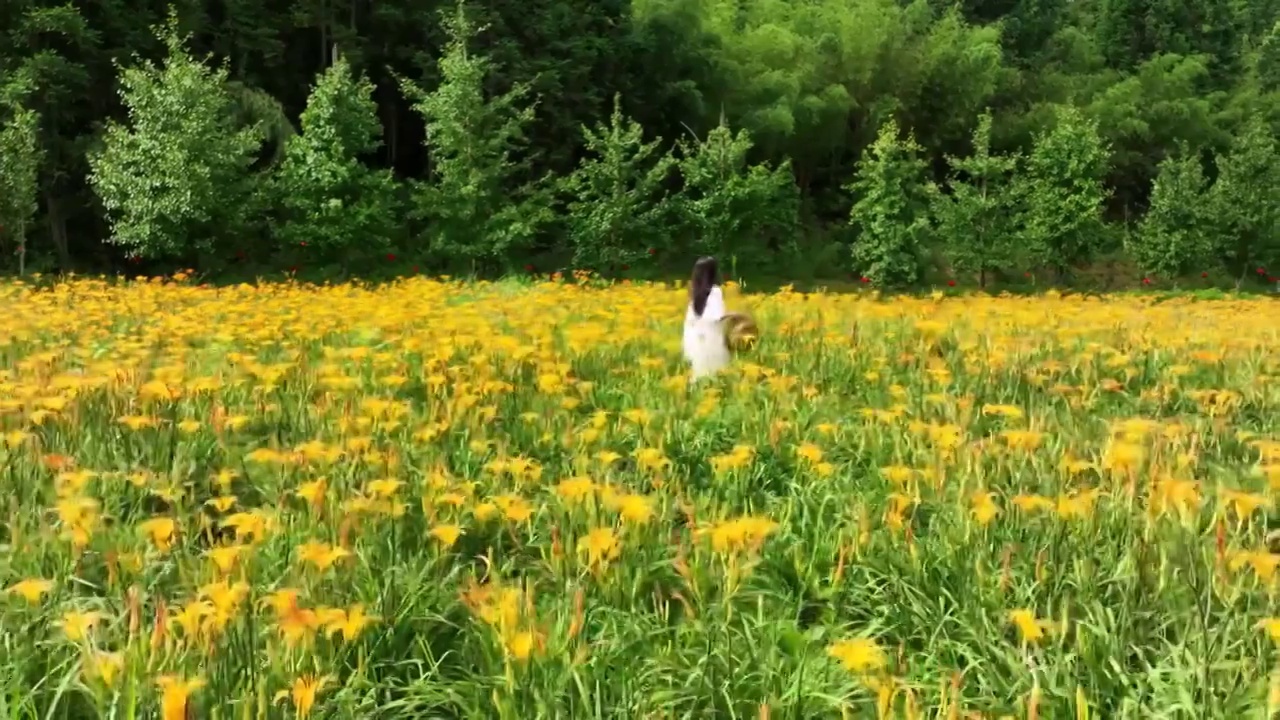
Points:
point(740, 331)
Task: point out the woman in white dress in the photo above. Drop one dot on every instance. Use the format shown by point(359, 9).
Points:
point(705, 345)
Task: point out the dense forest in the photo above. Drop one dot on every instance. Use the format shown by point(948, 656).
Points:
point(893, 141)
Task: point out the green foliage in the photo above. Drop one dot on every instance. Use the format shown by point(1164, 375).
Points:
point(959, 72)
point(808, 80)
point(20, 159)
point(618, 206)
point(1267, 64)
point(1062, 192)
point(733, 207)
point(789, 70)
point(1027, 26)
point(975, 219)
point(1176, 237)
point(1132, 31)
point(57, 49)
point(470, 202)
point(1151, 112)
point(673, 53)
point(332, 201)
point(573, 55)
point(251, 106)
point(175, 179)
point(506, 88)
point(890, 213)
point(1244, 203)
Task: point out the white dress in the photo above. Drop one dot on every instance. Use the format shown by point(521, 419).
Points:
point(704, 342)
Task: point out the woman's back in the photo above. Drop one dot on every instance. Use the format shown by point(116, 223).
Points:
point(704, 341)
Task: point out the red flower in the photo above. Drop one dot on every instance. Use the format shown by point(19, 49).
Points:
point(866, 279)
point(1270, 279)
point(653, 251)
point(528, 268)
point(415, 269)
point(303, 243)
point(1146, 281)
point(391, 257)
point(1204, 274)
point(1262, 271)
point(951, 283)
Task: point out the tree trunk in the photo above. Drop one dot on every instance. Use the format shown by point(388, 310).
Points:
point(58, 229)
point(393, 135)
point(22, 248)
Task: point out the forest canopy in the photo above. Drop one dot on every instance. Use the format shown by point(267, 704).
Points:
point(893, 141)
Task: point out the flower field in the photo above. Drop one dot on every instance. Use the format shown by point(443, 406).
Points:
point(436, 499)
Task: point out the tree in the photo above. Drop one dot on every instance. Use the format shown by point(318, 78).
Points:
point(1266, 60)
point(789, 73)
point(1062, 192)
point(20, 158)
point(618, 201)
point(730, 205)
point(572, 54)
point(473, 212)
point(974, 220)
point(1131, 31)
point(1175, 236)
point(332, 201)
point(58, 53)
point(175, 179)
point(1243, 200)
point(959, 70)
point(672, 65)
point(1026, 26)
point(890, 213)
point(1148, 114)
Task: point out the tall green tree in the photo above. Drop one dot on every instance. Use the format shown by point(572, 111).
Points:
point(1243, 201)
point(891, 209)
point(1062, 192)
point(672, 78)
point(572, 55)
point(975, 218)
point(1165, 102)
point(175, 178)
point(1132, 31)
point(332, 201)
point(62, 56)
point(733, 207)
point(20, 159)
point(788, 74)
point(1026, 26)
point(476, 209)
point(1176, 236)
point(1266, 65)
point(959, 70)
point(618, 207)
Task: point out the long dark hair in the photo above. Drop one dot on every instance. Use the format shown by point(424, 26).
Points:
point(705, 276)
